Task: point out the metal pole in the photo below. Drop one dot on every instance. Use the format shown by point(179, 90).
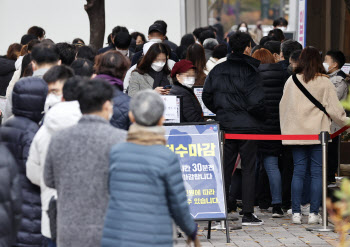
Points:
point(324, 138)
point(339, 143)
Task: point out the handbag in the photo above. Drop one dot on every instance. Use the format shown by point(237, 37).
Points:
point(309, 96)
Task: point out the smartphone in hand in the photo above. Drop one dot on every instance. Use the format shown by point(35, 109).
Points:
point(167, 87)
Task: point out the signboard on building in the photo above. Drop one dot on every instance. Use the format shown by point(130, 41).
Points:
point(302, 22)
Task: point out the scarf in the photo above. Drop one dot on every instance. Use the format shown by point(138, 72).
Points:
point(143, 135)
point(112, 80)
point(160, 78)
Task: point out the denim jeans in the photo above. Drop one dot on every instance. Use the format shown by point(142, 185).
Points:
point(307, 157)
point(273, 172)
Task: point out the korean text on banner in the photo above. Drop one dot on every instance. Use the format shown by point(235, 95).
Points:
point(198, 148)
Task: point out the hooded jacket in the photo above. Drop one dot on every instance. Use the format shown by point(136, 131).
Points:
point(60, 116)
point(233, 91)
point(28, 98)
point(10, 198)
point(7, 68)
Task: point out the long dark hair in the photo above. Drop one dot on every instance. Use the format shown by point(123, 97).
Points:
point(145, 64)
point(195, 53)
point(310, 64)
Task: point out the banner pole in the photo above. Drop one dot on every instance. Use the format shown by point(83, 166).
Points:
point(324, 138)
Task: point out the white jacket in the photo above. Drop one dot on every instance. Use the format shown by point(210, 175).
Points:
point(60, 116)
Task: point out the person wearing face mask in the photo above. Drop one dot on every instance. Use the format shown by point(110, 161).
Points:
point(55, 79)
point(122, 43)
point(258, 32)
point(85, 147)
point(152, 72)
point(280, 23)
point(156, 34)
point(61, 116)
point(333, 63)
point(184, 77)
point(243, 28)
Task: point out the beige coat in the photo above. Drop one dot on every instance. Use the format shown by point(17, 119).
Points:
point(299, 116)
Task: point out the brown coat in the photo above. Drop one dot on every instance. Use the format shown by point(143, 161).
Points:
point(299, 116)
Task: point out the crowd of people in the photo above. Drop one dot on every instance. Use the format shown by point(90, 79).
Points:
point(82, 146)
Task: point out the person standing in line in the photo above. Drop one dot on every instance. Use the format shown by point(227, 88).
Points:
point(233, 91)
point(184, 76)
point(28, 100)
point(145, 173)
point(333, 63)
point(111, 66)
point(62, 115)
point(77, 167)
point(10, 198)
point(273, 80)
point(152, 72)
point(195, 54)
point(298, 116)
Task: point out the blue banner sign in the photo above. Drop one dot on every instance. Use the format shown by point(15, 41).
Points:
point(198, 148)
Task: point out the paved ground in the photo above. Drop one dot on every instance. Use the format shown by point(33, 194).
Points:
point(275, 232)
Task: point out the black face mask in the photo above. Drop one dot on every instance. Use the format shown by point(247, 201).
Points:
point(290, 70)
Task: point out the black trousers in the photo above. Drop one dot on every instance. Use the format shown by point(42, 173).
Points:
point(332, 159)
point(286, 167)
point(248, 151)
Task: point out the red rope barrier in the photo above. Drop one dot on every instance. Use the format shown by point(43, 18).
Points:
point(281, 137)
point(339, 132)
point(271, 137)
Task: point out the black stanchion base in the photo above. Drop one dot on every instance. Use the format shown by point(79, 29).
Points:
point(320, 228)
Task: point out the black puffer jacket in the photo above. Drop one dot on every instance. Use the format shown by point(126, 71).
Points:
point(10, 198)
point(7, 68)
point(273, 80)
point(28, 98)
point(120, 118)
point(191, 109)
point(233, 91)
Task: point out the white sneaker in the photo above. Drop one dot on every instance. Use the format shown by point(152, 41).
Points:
point(314, 219)
point(305, 210)
point(297, 218)
point(289, 212)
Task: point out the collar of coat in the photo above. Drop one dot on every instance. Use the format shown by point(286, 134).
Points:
point(91, 118)
point(146, 135)
point(239, 57)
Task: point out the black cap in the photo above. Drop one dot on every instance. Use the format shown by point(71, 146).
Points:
point(158, 28)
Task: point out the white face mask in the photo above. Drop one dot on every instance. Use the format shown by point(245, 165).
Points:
point(243, 29)
point(189, 81)
point(197, 42)
point(326, 67)
point(156, 40)
point(124, 52)
point(157, 66)
point(283, 29)
point(51, 100)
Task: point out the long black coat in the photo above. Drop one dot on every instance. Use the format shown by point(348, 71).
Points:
point(273, 79)
point(191, 109)
point(233, 91)
point(7, 68)
point(28, 98)
point(10, 198)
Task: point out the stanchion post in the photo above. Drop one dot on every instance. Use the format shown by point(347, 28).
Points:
point(209, 229)
point(324, 138)
point(339, 143)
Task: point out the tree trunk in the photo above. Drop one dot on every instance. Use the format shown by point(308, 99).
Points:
point(347, 2)
point(96, 13)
